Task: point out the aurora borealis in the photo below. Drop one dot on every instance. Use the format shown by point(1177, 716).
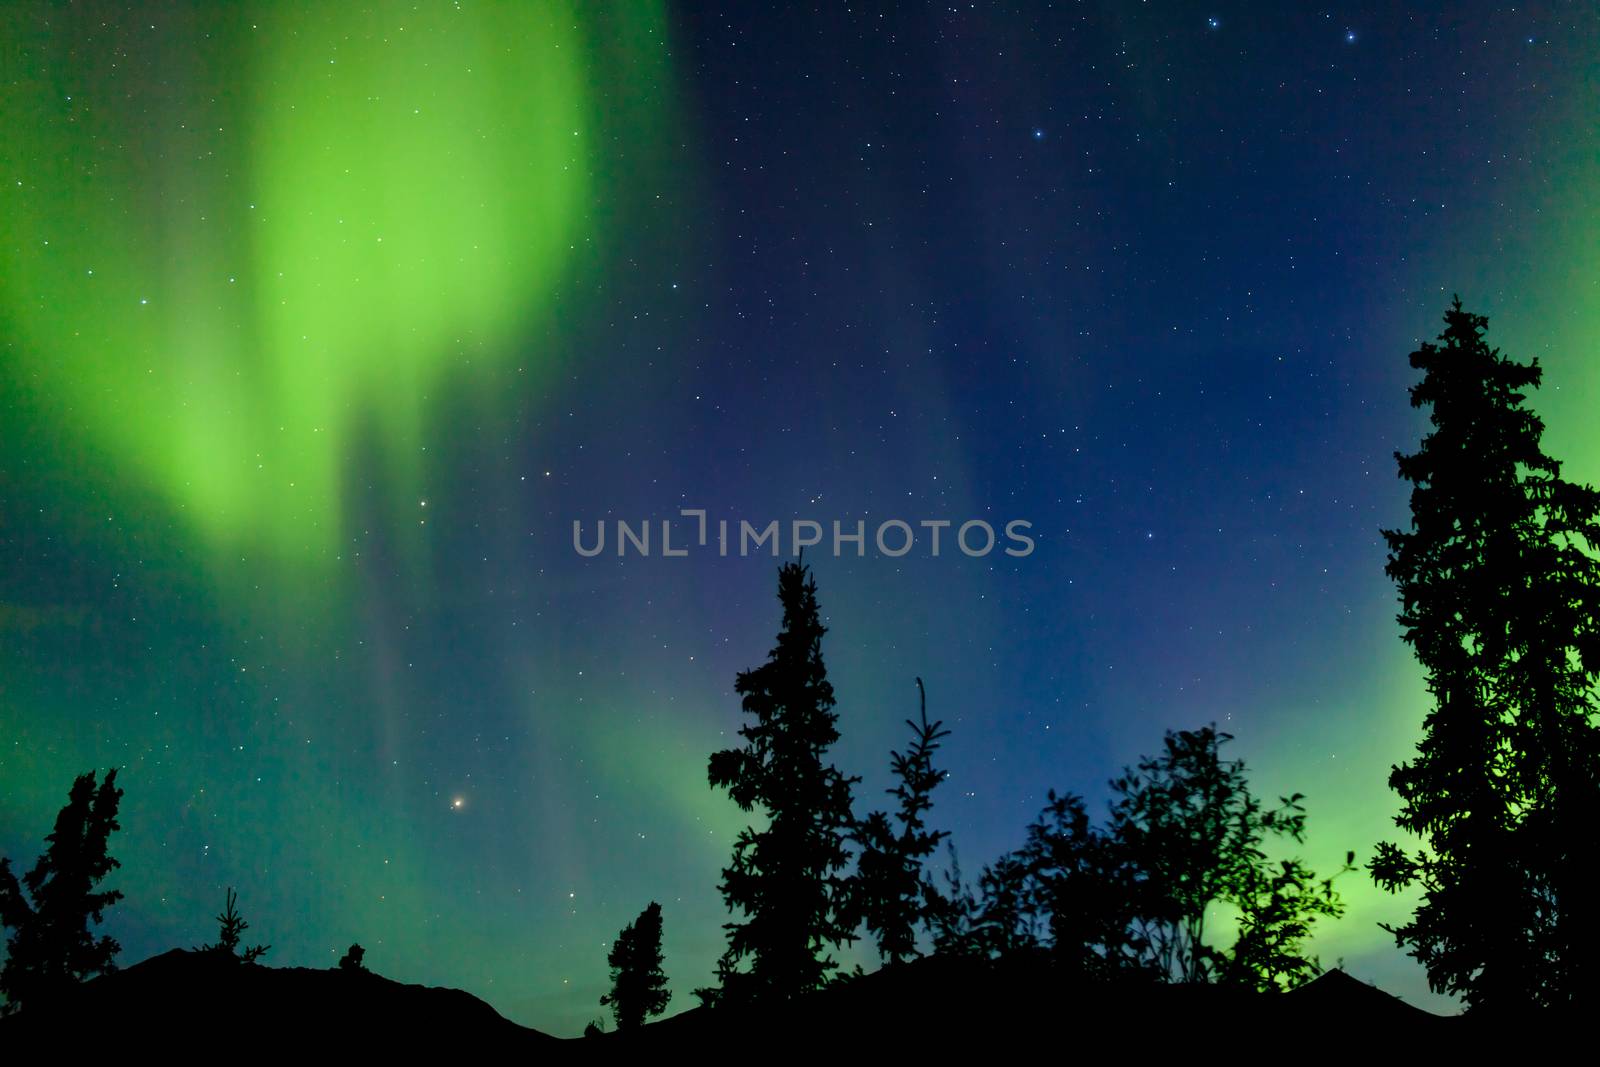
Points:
point(320, 326)
point(290, 244)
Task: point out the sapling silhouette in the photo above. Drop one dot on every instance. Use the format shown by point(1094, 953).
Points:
point(233, 926)
point(890, 891)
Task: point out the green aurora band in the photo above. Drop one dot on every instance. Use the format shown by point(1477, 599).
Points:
point(223, 287)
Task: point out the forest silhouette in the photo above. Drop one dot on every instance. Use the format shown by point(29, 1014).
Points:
point(1117, 915)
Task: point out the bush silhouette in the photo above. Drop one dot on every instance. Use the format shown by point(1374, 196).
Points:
point(1131, 900)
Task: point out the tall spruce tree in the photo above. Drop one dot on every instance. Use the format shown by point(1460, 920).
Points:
point(51, 947)
point(892, 893)
point(785, 878)
point(638, 985)
point(1500, 602)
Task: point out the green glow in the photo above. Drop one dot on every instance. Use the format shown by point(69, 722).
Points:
point(223, 286)
point(1534, 268)
point(657, 763)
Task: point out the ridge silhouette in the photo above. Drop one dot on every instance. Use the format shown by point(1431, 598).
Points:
point(938, 1005)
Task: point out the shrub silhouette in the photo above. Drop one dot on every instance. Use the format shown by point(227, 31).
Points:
point(1131, 900)
point(1189, 824)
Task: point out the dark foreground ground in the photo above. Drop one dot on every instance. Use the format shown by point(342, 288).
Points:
point(187, 1004)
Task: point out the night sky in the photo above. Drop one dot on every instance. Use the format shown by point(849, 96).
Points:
point(320, 324)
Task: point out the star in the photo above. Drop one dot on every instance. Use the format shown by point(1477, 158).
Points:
point(1214, 23)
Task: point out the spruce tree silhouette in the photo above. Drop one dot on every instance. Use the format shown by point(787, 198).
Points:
point(890, 891)
point(785, 878)
point(1499, 589)
point(638, 986)
point(232, 927)
point(50, 947)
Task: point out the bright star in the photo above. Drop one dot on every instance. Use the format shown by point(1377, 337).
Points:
point(1214, 22)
